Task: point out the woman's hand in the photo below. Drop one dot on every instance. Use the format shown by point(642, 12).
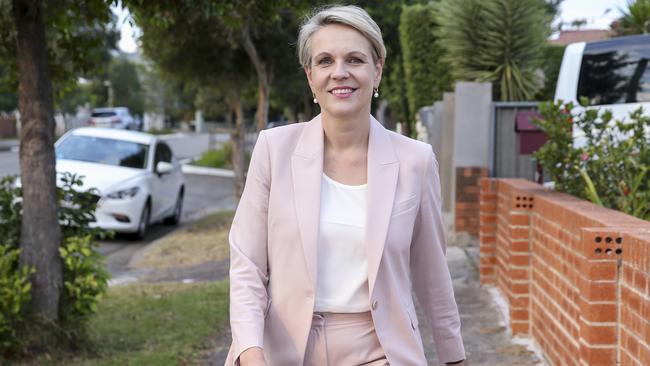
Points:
point(253, 357)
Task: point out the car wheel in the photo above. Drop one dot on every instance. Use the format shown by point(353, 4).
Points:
point(175, 217)
point(143, 224)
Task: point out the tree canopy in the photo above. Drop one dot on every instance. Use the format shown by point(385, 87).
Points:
point(636, 18)
point(79, 37)
point(498, 41)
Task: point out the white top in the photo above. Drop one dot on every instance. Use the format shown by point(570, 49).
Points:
point(342, 283)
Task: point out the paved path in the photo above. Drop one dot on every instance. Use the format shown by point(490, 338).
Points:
point(486, 339)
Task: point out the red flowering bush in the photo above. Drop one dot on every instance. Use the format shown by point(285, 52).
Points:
point(610, 168)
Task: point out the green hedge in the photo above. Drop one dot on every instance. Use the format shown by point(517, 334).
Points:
point(426, 75)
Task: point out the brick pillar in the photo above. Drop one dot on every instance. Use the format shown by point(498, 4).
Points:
point(487, 229)
point(519, 253)
point(602, 248)
point(466, 216)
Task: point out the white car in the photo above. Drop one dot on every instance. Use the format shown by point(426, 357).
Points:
point(138, 179)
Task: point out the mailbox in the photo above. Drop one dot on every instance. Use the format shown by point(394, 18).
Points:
point(530, 137)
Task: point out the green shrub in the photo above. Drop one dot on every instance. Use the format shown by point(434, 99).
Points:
point(611, 169)
point(221, 158)
point(14, 296)
point(85, 281)
point(84, 276)
point(10, 212)
point(77, 209)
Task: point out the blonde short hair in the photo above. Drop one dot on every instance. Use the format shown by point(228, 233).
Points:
point(350, 15)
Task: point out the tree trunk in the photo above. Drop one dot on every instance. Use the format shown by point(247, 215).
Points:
point(41, 234)
point(264, 78)
point(263, 95)
point(238, 138)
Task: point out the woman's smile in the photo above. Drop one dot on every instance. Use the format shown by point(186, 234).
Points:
point(342, 92)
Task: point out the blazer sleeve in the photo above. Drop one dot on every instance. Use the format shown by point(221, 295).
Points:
point(430, 273)
point(248, 254)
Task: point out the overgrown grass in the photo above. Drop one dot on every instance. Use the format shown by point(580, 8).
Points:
point(221, 158)
point(152, 324)
point(204, 241)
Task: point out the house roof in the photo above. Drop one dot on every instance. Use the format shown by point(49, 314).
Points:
point(582, 35)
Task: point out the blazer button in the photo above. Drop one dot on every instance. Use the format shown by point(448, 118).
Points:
point(374, 305)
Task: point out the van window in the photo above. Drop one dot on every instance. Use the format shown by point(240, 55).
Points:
point(103, 114)
point(615, 71)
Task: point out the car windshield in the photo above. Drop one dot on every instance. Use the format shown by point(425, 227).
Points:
point(103, 151)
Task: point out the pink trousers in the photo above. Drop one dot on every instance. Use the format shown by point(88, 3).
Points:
point(341, 339)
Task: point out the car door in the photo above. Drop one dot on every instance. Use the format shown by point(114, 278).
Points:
point(164, 185)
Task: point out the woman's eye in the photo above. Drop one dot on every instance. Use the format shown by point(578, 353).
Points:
point(324, 61)
point(355, 60)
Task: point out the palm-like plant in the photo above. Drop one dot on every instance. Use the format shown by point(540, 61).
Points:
point(636, 18)
point(498, 41)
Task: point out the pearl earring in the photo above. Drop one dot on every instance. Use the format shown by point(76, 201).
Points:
point(376, 95)
point(315, 100)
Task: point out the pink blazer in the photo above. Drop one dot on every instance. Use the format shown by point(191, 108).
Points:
point(275, 233)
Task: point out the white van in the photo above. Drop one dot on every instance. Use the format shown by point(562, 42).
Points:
point(113, 117)
point(612, 74)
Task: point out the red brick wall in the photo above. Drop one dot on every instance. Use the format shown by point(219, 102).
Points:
point(466, 215)
point(634, 326)
point(487, 229)
point(557, 261)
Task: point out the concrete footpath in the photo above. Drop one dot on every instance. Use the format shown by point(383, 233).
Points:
point(483, 324)
point(487, 340)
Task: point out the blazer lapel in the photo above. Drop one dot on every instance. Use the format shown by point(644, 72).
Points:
point(306, 171)
point(383, 168)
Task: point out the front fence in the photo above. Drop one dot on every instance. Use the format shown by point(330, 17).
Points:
point(576, 276)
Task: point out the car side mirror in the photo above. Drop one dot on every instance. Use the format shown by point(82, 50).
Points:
point(164, 167)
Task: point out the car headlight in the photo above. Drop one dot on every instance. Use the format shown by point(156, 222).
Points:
point(124, 193)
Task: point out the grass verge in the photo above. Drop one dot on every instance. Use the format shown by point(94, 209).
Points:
point(205, 241)
point(159, 324)
point(163, 131)
point(221, 158)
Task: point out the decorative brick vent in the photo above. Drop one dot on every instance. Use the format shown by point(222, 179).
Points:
point(576, 276)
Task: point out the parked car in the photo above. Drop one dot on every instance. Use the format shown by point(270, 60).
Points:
point(612, 74)
point(114, 117)
point(137, 177)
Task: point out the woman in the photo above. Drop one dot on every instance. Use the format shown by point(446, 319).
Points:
point(339, 221)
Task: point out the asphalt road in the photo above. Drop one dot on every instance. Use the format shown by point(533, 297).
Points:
point(9, 163)
point(204, 195)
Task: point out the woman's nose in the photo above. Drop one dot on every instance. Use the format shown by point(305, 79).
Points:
point(340, 71)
